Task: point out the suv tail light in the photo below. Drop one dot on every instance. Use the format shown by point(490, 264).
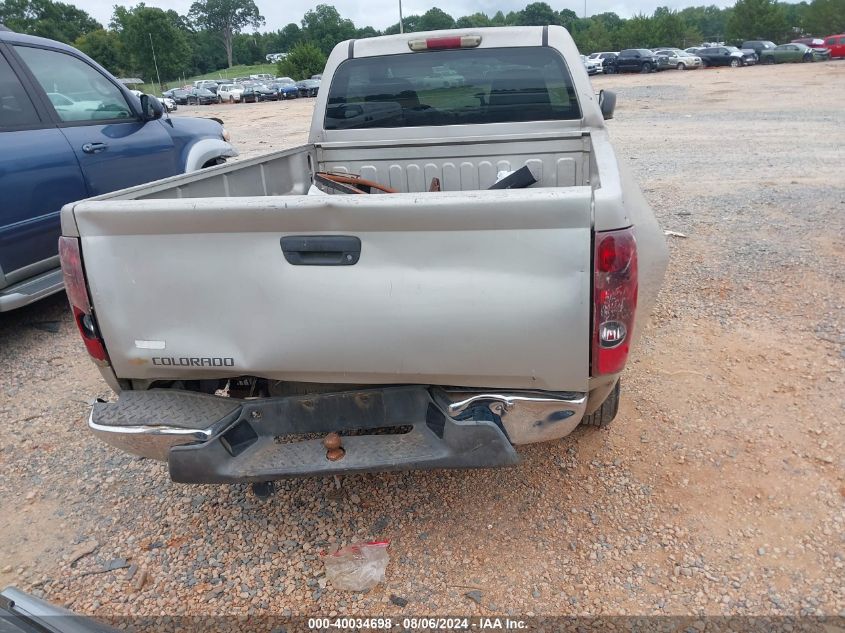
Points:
point(80, 304)
point(614, 299)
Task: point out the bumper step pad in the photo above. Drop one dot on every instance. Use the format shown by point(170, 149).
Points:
point(239, 440)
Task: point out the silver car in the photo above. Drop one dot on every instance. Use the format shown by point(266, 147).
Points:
point(681, 60)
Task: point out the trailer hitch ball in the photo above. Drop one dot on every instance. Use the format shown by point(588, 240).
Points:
point(334, 450)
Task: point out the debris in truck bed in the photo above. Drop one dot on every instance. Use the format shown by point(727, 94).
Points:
point(520, 179)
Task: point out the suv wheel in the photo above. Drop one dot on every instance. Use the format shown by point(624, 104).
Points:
point(681, 66)
point(605, 414)
point(736, 62)
point(646, 68)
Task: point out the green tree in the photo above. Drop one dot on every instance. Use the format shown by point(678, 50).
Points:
point(566, 18)
point(669, 28)
point(825, 17)
point(757, 19)
point(140, 29)
point(476, 20)
point(435, 20)
point(304, 60)
point(324, 27)
point(537, 14)
point(226, 18)
point(637, 32)
point(206, 53)
point(45, 18)
point(105, 48)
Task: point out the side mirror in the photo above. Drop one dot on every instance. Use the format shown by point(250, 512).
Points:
point(607, 103)
point(151, 108)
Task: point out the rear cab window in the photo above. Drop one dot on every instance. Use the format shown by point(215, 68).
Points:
point(451, 87)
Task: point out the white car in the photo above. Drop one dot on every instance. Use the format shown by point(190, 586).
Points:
point(230, 92)
point(593, 67)
point(601, 56)
point(168, 103)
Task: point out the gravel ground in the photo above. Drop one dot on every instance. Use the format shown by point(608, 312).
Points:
point(720, 488)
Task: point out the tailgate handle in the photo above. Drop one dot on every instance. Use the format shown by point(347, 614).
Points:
point(321, 250)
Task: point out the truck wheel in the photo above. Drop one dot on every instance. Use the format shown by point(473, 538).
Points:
point(604, 415)
point(646, 68)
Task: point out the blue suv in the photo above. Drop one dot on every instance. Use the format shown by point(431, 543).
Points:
point(69, 130)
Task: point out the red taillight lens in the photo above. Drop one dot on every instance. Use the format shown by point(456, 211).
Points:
point(77, 294)
point(614, 299)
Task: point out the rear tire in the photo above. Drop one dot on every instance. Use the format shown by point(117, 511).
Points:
point(604, 415)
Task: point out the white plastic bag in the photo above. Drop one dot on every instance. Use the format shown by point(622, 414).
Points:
point(357, 567)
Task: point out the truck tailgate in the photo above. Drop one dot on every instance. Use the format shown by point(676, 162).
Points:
point(481, 289)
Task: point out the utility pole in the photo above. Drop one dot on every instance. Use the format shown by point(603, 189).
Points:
point(401, 27)
point(585, 9)
point(156, 62)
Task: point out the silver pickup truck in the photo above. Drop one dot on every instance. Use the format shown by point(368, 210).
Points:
point(256, 326)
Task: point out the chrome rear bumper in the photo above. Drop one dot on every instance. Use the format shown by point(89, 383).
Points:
point(214, 439)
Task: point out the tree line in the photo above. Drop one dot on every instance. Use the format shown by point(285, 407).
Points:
point(212, 36)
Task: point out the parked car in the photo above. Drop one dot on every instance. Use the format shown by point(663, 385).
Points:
point(389, 329)
point(201, 96)
point(758, 46)
point(592, 66)
point(208, 84)
point(318, 76)
point(230, 93)
point(663, 62)
point(836, 44)
point(603, 58)
point(70, 130)
point(168, 103)
point(786, 53)
point(179, 95)
point(680, 59)
point(640, 60)
point(749, 57)
point(262, 77)
point(723, 56)
point(308, 87)
point(820, 51)
point(257, 93)
point(285, 90)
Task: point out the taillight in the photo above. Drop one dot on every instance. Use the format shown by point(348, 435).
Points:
point(440, 43)
point(614, 299)
point(77, 294)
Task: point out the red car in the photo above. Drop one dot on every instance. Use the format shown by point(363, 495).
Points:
point(836, 44)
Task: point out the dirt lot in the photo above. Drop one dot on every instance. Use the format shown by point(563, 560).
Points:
point(720, 488)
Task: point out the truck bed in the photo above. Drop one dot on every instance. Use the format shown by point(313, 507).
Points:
point(447, 284)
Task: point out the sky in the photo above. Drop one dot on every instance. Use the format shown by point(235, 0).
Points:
point(383, 13)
